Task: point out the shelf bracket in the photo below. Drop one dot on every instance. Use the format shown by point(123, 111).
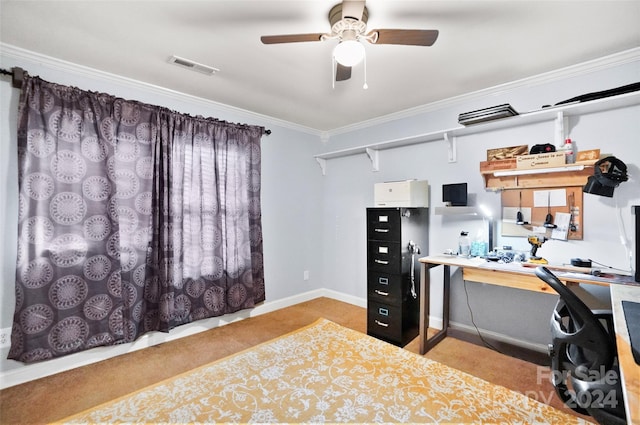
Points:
point(452, 149)
point(562, 127)
point(374, 157)
point(323, 165)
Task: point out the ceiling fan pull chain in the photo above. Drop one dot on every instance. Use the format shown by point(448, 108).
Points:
point(365, 86)
point(333, 72)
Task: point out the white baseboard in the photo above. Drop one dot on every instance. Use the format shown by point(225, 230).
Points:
point(350, 299)
point(13, 372)
point(541, 348)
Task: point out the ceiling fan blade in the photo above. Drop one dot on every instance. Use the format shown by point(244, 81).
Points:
point(352, 9)
point(406, 37)
point(290, 38)
point(343, 72)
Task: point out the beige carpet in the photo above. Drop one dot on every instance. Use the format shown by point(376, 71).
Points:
point(324, 373)
point(68, 393)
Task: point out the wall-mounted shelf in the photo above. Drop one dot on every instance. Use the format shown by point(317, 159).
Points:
point(561, 176)
point(551, 114)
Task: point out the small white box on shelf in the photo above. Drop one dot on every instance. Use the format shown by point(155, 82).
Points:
point(406, 193)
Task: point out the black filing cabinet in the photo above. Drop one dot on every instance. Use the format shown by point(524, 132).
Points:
point(396, 238)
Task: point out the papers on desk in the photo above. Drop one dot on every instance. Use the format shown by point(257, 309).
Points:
point(604, 277)
point(517, 267)
point(612, 278)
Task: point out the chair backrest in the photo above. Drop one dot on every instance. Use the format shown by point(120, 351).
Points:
point(582, 345)
point(576, 330)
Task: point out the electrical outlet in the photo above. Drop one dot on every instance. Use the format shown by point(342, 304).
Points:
point(306, 275)
point(5, 337)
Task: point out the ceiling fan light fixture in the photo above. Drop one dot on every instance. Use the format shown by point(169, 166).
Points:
point(349, 52)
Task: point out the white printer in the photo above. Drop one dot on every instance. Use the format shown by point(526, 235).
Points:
point(405, 193)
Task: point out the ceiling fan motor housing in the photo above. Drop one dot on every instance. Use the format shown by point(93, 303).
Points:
point(335, 15)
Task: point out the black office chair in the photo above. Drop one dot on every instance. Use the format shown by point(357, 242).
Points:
point(583, 354)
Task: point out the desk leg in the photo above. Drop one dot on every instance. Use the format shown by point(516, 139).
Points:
point(425, 286)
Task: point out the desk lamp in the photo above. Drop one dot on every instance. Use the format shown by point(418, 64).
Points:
point(488, 215)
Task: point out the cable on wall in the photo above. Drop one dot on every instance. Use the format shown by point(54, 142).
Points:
point(486, 343)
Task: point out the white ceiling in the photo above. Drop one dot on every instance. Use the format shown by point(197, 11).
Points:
point(482, 44)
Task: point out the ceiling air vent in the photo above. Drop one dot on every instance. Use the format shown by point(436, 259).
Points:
point(194, 66)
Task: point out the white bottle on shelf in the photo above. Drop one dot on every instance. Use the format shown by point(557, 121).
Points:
point(569, 151)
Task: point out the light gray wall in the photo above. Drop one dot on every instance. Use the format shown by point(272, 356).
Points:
point(515, 313)
point(317, 223)
point(9, 201)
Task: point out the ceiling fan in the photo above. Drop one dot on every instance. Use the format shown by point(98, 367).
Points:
point(348, 25)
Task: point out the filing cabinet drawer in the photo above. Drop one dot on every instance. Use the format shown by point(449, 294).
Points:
point(385, 288)
point(383, 224)
point(384, 320)
point(384, 256)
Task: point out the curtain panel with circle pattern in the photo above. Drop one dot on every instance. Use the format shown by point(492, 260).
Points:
point(132, 218)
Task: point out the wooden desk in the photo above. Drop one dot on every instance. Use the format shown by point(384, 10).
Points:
point(629, 369)
point(517, 276)
point(473, 269)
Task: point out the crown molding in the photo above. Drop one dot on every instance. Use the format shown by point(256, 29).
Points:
point(606, 62)
point(18, 54)
point(584, 68)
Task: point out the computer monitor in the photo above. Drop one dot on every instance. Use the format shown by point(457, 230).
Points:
point(455, 194)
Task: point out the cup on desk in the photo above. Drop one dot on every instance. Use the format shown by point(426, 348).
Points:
point(479, 249)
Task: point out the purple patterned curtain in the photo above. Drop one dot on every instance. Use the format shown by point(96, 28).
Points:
point(132, 218)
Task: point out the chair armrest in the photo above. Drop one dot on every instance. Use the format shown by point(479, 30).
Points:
point(602, 313)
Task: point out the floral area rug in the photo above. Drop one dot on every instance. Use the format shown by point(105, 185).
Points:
point(324, 373)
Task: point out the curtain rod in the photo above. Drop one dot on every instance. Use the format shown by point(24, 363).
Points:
point(17, 76)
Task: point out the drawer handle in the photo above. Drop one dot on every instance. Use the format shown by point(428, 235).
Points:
point(379, 323)
point(383, 280)
point(384, 294)
point(383, 311)
point(381, 230)
point(381, 261)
